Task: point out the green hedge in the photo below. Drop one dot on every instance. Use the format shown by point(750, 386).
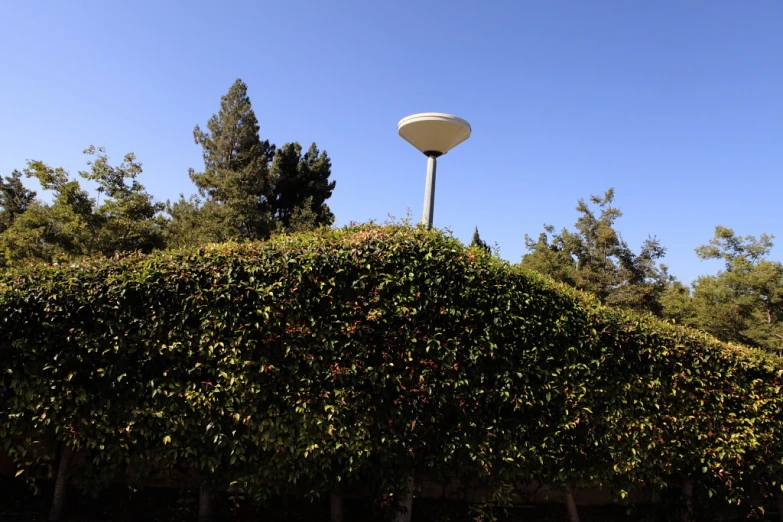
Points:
point(370, 354)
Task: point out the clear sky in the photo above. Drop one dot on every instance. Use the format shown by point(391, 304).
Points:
point(678, 105)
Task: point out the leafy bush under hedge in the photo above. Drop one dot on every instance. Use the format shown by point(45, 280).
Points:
point(369, 354)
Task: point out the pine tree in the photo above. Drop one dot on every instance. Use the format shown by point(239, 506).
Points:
point(479, 243)
point(301, 187)
point(248, 188)
point(235, 180)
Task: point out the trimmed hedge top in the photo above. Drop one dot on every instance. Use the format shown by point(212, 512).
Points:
point(369, 354)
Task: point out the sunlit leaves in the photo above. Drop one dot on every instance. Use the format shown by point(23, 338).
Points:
point(369, 355)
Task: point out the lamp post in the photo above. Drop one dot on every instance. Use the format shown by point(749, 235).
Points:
point(433, 134)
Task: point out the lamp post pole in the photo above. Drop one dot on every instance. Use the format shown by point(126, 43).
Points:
point(429, 189)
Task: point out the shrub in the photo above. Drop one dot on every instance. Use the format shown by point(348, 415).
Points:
point(369, 354)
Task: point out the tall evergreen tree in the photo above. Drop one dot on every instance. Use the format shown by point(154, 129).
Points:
point(477, 242)
point(301, 186)
point(248, 189)
point(235, 180)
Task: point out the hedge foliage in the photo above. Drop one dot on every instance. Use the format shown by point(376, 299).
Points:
point(369, 354)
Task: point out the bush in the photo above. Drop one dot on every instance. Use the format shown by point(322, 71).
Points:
point(370, 355)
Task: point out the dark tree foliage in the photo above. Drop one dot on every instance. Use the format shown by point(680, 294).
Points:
point(14, 199)
point(477, 242)
point(249, 189)
point(301, 183)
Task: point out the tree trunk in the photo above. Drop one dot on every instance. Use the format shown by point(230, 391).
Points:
point(337, 507)
point(60, 485)
point(687, 498)
point(573, 514)
point(204, 505)
point(406, 504)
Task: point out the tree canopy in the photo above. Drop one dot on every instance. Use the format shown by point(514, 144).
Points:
point(76, 224)
point(744, 301)
point(14, 199)
point(250, 188)
point(595, 258)
point(235, 180)
point(301, 186)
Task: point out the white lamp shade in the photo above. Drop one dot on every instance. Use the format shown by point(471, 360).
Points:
point(433, 131)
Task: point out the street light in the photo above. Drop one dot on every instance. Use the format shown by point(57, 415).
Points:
point(434, 134)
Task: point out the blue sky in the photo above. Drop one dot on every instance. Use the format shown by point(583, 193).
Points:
point(678, 105)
